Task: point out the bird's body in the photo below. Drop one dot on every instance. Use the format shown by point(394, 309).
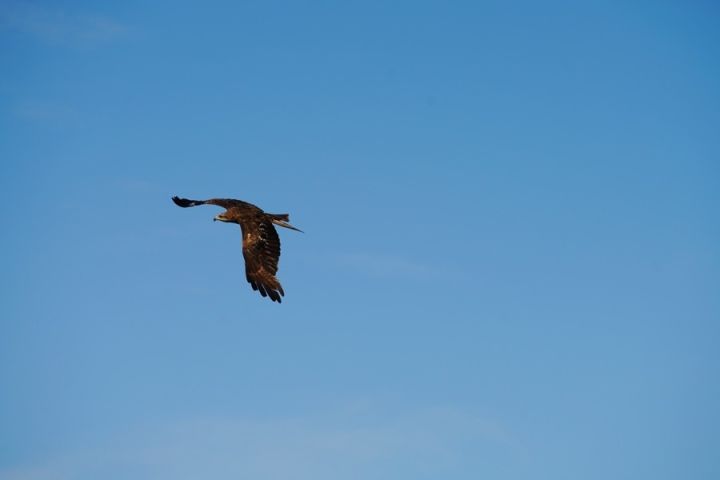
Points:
point(260, 241)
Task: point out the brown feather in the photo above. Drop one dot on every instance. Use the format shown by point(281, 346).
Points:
point(261, 250)
point(260, 241)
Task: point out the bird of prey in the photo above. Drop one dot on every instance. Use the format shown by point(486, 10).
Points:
point(260, 241)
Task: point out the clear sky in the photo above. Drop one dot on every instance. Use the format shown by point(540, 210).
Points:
point(511, 261)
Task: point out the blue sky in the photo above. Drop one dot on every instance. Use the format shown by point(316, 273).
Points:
point(510, 267)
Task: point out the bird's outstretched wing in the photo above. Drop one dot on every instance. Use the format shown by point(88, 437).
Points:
point(220, 202)
point(261, 250)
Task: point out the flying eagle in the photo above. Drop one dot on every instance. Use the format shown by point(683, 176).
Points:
point(260, 241)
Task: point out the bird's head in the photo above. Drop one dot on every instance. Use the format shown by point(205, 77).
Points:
point(222, 217)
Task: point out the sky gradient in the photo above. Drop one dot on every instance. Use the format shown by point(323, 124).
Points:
point(511, 261)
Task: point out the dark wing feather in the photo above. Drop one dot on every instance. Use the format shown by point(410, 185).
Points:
point(261, 250)
point(220, 202)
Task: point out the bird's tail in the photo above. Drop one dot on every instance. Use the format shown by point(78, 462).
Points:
point(281, 219)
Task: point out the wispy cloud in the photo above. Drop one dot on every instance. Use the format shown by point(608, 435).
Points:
point(140, 185)
point(382, 264)
point(53, 25)
point(393, 265)
point(313, 447)
point(45, 112)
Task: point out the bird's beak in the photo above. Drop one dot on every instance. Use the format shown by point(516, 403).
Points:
point(215, 219)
